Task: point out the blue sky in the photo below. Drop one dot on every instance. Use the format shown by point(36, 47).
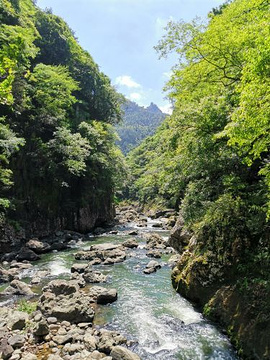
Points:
point(121, 34)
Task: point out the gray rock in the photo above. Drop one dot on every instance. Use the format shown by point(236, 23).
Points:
point(74, 308)
point(27, 254)
point(54, 357)
point(121, 353)
point(152, 267)
point(6, 350)
point(17, 287)
point(96, 355)
point(153, 264)
point(52, 320)
point(90, 342)
point(91, 276)
point(130, 243)
point(29, 356)
point(7, 275)
point(149, 271)
point(63, 339)
point(38, 247)
point(16, 341)
point(61, 287)
point(154, 253)
point(78, 279)
point(17, 320)
point(103, 295)
point(79, 268)
point(42, 328)
point(109, 339)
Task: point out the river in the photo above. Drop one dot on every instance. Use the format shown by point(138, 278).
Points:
point(162, 324)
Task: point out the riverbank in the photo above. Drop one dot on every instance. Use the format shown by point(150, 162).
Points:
point(229, 292)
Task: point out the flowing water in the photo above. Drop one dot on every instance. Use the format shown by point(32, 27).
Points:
point(162, 324)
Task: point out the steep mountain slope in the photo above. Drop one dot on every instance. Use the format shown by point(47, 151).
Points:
point(138, 123)
point(58, 159)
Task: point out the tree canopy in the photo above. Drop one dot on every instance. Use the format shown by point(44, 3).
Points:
point(56, 135)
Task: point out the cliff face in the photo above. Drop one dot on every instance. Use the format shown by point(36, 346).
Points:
point(242, 309)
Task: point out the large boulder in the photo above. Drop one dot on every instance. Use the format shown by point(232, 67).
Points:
point(17, 320)
point(151, 267)
point(63, 300)
point(103, 252)
point(61, 287)
point(27, 254)
point(103, 295)
point(94, 276)
point(37, 246)
point(6, 350)
point(17, 287)
point(179, 237)
point(130, 243)
point(121, 353)
point(155, 242)
point(107, 340)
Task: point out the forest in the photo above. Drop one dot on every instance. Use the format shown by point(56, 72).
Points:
point(59, 163)
point(211, 160)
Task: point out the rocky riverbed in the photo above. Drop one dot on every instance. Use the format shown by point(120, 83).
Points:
point(88, 313)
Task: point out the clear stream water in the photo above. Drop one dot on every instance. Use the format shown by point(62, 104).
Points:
point(162, 324)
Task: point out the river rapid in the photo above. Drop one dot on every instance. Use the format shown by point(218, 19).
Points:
point(161, 324)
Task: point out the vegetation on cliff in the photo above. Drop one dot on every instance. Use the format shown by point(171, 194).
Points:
point(58, 159)
point(211, 158)
point(138, 123)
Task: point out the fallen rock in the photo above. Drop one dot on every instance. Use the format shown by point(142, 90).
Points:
point(154, 253)
point(29, 356)
point(103, 295)
point(27, 254)
point(133, 232)
point(6, 350)
point(121, 353)
point(108, 339)
point(91, 276)
point(155, 242)
point(7, 275)
point(38, 247)
point(130, 243)
point(102, 252)
point(16, 320)
point(63, 300)
point(61, 287)
point(42, 328)
point(152, 267)
point(17, 287)
point(16, 341)
point(79, 268)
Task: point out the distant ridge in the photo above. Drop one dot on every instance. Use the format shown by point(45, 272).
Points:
point(138, 123)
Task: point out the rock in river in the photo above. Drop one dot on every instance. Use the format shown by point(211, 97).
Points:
point(121, 353)
point(17, 287)
point(63, 300)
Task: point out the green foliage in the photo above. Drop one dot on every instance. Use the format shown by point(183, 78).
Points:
point(138, 123)
point(27, 306)
point(55, 102)
point(211, 156)
point(51, 93)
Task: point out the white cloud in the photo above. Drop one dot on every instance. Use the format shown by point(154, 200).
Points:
point(167, 74)
point(126, 80)
point(135, 96)
point(167, 109)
